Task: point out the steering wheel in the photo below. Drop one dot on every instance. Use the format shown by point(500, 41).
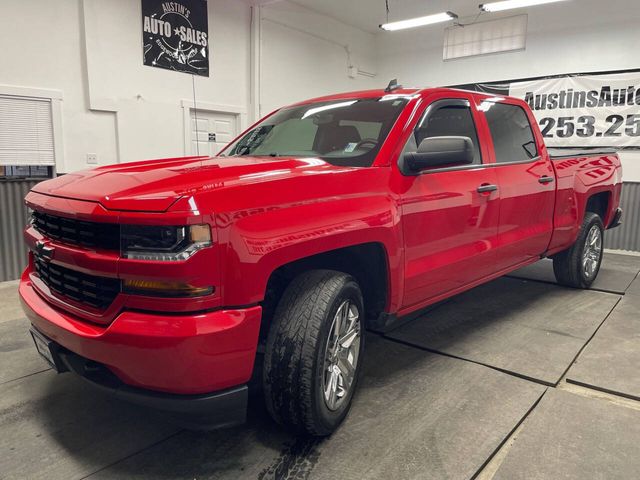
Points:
point(367, 141)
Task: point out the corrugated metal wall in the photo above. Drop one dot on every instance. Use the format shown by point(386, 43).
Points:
point(13, 218)
point(627, 235)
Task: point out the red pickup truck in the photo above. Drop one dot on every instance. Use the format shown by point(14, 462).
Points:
point(173, 283)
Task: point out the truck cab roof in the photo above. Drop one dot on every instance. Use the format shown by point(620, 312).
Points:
point(399, 92)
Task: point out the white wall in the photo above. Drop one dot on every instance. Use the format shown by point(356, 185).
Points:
point(43, 49)
point(305, 54)
point(113, 105)
point(116, 107)
point(148, 100)
point(566, 37)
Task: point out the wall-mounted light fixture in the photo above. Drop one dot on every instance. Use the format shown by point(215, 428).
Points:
point(510, 4)
point(419, 21)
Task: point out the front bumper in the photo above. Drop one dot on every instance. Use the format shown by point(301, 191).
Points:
point(206, 411)
point(176, 354)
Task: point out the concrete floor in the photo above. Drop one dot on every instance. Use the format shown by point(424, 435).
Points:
point(519, 378)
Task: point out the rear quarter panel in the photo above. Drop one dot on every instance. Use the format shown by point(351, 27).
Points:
point(579, 178)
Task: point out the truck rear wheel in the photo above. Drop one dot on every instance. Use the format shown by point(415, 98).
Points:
point(579, 265)
point(314, 352)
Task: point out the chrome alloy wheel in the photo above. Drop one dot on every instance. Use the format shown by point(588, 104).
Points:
point(341, 355)
point(592, 252)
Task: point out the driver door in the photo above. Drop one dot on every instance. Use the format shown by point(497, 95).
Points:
point(449, 214)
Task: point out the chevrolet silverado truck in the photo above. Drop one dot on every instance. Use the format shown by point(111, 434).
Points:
point(177, 283)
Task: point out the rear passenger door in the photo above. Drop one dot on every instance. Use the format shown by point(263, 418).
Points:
point(526, 183)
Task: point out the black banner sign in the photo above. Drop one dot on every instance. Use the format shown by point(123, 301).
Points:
point(175, 35)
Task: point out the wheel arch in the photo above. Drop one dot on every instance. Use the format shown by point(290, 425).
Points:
point(367, 262)
point(599, 203)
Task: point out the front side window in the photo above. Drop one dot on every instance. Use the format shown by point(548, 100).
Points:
point(453, 118)
point(511, 132)
point(341, 132)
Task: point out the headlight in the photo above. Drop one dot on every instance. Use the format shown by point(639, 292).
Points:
point(162, 243)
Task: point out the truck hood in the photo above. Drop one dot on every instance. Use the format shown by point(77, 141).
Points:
point(155, 185)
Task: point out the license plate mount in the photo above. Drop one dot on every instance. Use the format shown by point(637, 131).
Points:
point(48, 350)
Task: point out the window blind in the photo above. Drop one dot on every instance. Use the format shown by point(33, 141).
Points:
point(501, 35)
point(26, 131)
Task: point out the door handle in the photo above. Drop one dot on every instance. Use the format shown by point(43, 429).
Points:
point(487, 188)
point(545, 179)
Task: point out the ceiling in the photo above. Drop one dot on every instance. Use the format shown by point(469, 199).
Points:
point(364, 14)
point(369, 14)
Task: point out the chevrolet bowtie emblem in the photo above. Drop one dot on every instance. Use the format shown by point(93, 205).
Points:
point(44, 251)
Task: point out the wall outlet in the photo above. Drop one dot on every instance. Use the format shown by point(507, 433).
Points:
point(92, 158)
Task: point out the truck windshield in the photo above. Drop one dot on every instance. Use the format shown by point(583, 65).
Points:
point(341, 132)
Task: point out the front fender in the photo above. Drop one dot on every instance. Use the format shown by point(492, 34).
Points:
point(259, 241)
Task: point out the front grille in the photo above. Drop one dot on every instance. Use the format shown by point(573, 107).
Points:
point(78, 232)
point(96, 292)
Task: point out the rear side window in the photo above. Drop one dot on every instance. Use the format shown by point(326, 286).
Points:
point(511, 132)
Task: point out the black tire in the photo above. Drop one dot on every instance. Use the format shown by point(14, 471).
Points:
point(568, 265)
point(294, 363)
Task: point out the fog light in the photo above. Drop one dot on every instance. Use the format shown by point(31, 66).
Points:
point(166, 289)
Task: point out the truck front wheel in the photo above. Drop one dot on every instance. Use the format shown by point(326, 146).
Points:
point(579, 265)
point(314, 352)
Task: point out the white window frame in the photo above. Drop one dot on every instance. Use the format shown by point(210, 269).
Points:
point(55, 97)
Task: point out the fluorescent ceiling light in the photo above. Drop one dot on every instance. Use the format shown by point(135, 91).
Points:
point(509, 4)
point(419, 22)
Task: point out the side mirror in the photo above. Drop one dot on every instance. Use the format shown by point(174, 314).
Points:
point(440, 152)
